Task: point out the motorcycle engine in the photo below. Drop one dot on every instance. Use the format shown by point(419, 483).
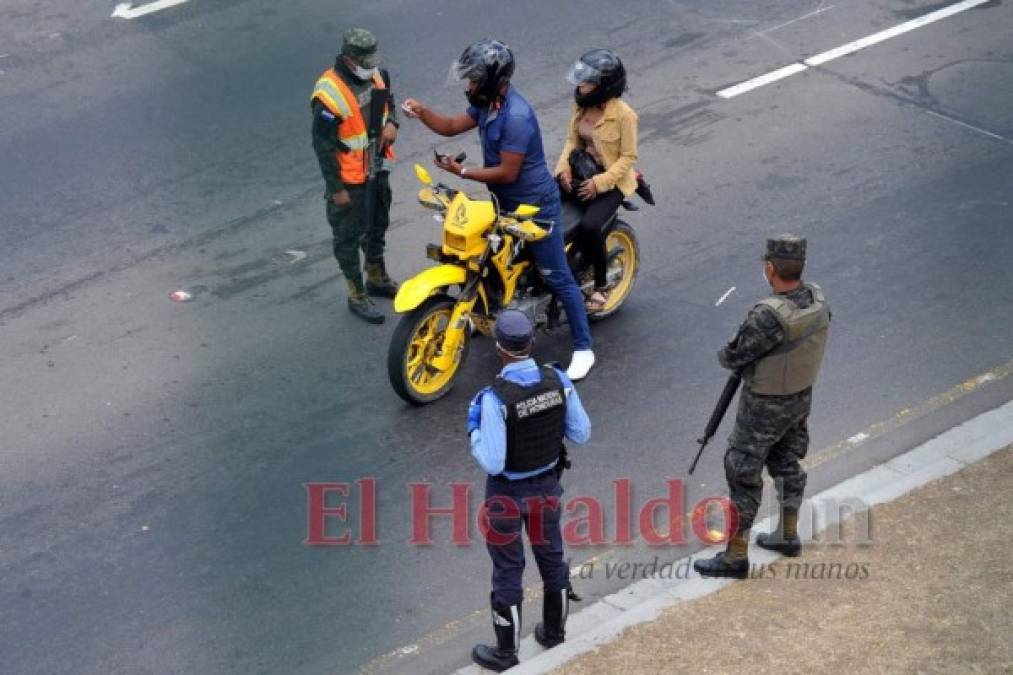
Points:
point(533, 305)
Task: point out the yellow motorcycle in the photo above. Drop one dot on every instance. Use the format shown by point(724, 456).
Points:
point(484, 267)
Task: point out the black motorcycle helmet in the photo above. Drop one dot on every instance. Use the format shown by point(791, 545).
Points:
point(602, 68)
point(488, 63)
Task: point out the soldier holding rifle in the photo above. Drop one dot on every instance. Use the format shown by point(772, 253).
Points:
point(777, 351)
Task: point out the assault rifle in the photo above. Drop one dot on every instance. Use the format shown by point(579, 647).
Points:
point(380, 101)
point(727, 394)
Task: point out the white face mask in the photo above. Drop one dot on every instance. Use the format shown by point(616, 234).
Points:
point(363, 74)
point(763, 271)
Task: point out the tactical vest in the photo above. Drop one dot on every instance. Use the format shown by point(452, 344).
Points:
point(793, 366)
point(535, 421)
point(339, 99)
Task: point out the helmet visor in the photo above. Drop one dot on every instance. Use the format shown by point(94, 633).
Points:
point(582, 72)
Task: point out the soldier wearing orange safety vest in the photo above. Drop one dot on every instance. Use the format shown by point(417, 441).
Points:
point(341, 104)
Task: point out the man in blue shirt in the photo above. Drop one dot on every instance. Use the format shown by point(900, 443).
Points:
point(514, 168)
point(516, 428)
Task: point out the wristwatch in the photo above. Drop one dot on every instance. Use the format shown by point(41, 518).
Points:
point(464, 172)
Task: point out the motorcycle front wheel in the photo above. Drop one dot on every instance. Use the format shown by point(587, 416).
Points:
point(417, 341)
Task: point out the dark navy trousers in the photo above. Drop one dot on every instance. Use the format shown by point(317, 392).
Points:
point(536, 509)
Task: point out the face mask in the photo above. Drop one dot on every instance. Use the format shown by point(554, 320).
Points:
point(592, 98)
point(363, 74)
point(477, 98)
point(763, 271)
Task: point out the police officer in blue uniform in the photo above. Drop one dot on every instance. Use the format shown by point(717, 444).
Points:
point(517, 427)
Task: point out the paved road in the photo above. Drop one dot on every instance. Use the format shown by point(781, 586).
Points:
point(152, 508)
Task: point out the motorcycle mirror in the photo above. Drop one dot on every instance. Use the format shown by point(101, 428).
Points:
point(423, 175)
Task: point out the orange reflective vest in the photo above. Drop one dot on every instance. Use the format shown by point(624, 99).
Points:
point(338, 98)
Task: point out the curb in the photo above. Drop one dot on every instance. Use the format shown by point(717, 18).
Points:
point(644, 600)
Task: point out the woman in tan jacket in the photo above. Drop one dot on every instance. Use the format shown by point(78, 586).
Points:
point(596, 164)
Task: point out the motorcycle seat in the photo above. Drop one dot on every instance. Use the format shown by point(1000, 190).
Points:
point(569, 217)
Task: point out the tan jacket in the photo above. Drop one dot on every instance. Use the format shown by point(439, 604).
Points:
point(615, 137)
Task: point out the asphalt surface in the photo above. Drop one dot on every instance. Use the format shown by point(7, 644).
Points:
point(154, 454)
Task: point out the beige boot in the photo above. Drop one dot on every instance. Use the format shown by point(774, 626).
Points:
point(360, 305)
point(378, 282)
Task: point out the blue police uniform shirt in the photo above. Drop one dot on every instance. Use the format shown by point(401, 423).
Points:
point(514, 128)
point(488, 441)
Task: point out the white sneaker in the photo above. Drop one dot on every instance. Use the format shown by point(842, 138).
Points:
point(580, 364)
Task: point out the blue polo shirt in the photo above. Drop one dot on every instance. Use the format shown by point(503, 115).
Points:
point(514, 128)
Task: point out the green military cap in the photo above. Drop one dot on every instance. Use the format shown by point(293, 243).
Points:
point(360, 45)
point(786, 246)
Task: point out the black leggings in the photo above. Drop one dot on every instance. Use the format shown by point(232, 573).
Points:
point(592, 231)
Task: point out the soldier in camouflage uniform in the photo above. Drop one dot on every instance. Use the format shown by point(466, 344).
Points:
point(341, 105)
point(778, 350)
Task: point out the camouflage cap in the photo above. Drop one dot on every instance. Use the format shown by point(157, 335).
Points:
point(360, 45)
point(787, 246)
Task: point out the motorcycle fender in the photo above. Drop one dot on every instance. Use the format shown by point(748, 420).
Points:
point(414, 291)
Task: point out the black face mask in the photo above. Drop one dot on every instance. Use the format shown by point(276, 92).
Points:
point(595, 97)
point(478, 98)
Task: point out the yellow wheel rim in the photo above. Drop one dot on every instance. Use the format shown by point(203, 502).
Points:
point(622, 266)
point(425, 345)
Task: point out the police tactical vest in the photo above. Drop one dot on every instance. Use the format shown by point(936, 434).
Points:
point(339, 99)
point(793, 366)
point(535, 421)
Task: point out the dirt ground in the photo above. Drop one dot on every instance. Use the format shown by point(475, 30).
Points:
point(932, 594)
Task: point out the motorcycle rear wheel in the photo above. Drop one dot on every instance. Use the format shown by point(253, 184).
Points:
point(621, 241)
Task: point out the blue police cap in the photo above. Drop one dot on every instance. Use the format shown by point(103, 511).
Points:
point(514, 330)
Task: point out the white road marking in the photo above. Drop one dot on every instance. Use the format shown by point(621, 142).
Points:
point(969, 126)
point(734, 20)
point(126, 10)
point(296, 255)
point(851, 48)
point(772, 76)
point(900, 29)
point(858, 438)
point(815, 12)
point(725, 296)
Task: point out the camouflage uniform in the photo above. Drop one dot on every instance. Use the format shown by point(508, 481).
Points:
point(769, 431)
point(777, 350)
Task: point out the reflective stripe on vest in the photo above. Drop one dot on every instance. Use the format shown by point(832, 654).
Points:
point(794, 365)
point(338, 98)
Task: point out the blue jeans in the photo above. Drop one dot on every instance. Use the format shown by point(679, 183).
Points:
point(550, 258)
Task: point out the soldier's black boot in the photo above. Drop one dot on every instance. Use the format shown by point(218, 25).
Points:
point(378, 282)
point(361, 306)
point(555, 608)
point(506, 621)
point(733, 562)
point(784, 539)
